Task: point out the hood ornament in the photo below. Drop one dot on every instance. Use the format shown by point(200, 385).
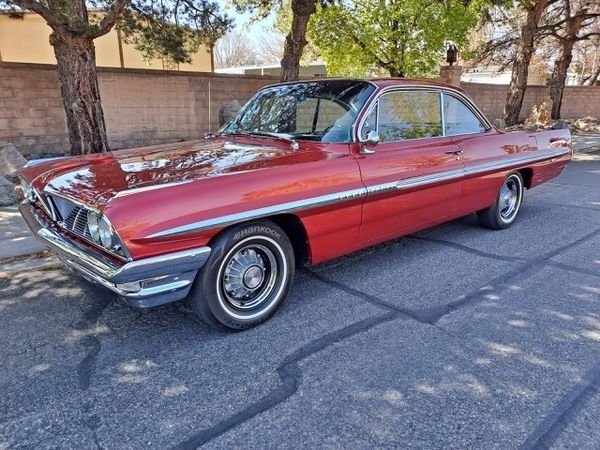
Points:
point(294, 144)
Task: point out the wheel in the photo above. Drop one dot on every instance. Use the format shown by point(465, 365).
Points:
point(506, 207)
point(246, 278)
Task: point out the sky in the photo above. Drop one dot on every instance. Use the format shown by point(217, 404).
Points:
point(242, 22)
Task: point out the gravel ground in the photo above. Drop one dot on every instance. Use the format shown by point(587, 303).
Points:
point(455, 337)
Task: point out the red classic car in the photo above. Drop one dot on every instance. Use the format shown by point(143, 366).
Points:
point(306, 172)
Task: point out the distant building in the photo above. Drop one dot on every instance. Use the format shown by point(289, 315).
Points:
point(491, 75)
point(314, 69)
point(25, 40)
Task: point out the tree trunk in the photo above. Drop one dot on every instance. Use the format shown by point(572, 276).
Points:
point(396, 73)
point(76, 58)
point(520, 70)
point(556, 84)
point(594, 77)
point(296, 39)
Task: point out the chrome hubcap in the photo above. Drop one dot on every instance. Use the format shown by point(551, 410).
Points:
point(509, 198)
point(249, 277)
point(253, 277)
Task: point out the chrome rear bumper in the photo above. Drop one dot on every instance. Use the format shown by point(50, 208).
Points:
point(142, 283)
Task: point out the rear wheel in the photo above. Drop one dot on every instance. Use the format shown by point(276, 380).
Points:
point(246, 278)
point(504, 211)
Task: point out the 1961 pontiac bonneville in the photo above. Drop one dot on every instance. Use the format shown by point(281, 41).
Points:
point(306, 172)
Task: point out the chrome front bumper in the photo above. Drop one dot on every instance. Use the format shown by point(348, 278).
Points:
point(142, 283)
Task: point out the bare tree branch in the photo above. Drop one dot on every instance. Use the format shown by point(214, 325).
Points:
point(587, 36)
point(38, 8)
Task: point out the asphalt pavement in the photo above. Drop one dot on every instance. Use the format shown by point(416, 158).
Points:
point(455, 337)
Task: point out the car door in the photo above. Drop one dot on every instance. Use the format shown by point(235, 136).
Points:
point(483, 151)
point(413, 174)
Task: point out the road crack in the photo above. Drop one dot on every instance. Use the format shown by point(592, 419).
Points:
point(91, 342)
point(290, 376)
point(468, 249)
point(289, 372)
point(499, 284)
point(548, 431)
point(369, 298)
point(579, 270)
point(86, 366)
point(565, 205)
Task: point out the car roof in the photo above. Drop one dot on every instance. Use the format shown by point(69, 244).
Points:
point(381, 83)
point(392, 81)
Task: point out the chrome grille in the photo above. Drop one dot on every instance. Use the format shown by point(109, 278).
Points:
point(76, 221)
point(72, 216)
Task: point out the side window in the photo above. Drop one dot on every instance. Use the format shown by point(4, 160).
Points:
point(409, 115)
point(459, 119)
point(370, 123)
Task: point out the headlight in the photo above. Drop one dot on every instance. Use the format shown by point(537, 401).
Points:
point(93, 226)
point(102, 232)
point(106, 234)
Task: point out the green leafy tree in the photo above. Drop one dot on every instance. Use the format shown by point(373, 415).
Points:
point(400, 37)
point(171, 29)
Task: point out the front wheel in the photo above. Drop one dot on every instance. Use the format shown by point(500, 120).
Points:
point(507, 205)
point(246, 278)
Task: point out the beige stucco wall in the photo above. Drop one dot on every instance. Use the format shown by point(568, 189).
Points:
point(26, 41)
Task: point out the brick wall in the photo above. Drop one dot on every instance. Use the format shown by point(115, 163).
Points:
point(577, 101)
point(144, 107)
point(31, 109)
point(141, 107)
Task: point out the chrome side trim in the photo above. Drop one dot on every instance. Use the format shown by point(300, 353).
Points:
point(323, 200)
point(223, 221)
point(413, 182)
point(517, 161)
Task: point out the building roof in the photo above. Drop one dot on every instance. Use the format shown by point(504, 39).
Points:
point(241, 69)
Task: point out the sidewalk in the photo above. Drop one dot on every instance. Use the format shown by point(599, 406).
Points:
point(586, 142)
point(19, 249)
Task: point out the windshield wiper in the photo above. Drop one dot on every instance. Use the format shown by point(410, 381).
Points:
point(259, 133)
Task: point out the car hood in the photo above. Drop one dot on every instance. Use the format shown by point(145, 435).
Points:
point(95, 179)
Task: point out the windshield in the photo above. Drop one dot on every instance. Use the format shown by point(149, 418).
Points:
point(317, 110)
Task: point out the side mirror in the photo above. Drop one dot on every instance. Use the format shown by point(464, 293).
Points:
point(372, 138)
